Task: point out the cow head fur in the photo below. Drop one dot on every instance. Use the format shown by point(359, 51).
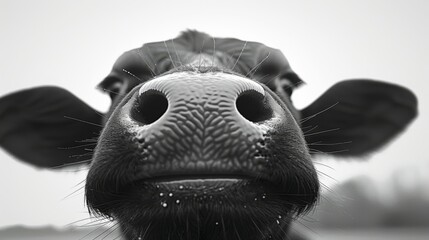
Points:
point(202, 140)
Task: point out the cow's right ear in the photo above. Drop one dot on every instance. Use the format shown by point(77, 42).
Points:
point(356, 117)
point(48, 127)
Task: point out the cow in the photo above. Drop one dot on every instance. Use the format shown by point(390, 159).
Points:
point(202, 140)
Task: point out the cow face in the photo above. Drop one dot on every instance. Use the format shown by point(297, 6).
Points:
point(202, 140)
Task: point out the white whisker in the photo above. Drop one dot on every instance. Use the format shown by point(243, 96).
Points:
point(239, 56)
point(131, 74)
point(152, 72)
point(169, 55)
point(255, 68)
point(83, 121)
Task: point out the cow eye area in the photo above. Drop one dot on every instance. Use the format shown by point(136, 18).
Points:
point(113, 88)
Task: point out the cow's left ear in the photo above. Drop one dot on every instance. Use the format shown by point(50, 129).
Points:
point(48, 127)
point(356, 117)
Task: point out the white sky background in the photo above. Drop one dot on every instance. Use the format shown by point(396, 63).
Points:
point(74, 44)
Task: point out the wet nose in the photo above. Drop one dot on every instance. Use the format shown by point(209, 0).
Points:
point(191, 99)
point(212, 118)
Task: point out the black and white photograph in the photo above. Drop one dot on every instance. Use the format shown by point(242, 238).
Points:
point(214, 120)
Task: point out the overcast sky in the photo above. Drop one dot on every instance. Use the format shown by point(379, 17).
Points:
point(73, 44)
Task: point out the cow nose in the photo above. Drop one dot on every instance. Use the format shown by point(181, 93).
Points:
point(202, 121)
point(201, 98)
point(151, 105)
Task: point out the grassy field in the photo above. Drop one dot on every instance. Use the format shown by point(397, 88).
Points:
point(18, 233)
point(389, 234)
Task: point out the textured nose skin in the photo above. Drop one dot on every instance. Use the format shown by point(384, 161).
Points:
point(201, 129)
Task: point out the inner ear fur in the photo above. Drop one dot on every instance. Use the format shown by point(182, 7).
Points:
point(356, 117)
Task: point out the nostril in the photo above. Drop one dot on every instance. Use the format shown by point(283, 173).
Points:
point(253, 106)
point(149, 107)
